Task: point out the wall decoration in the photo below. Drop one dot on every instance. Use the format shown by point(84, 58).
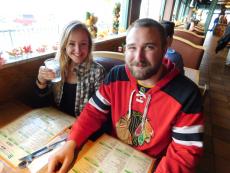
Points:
point(116, 15)
point(91, 20)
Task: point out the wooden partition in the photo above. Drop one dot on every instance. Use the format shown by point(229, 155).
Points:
point(17, 79)
point(190, 36)
point(199, 31)
point(191, 54)
point(109, 44)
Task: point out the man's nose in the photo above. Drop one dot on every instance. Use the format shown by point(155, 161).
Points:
point(139, 55)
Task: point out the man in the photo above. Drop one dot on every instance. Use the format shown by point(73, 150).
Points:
point(224, 40)
point(172, 54)
point(153, 107)
point(215, 22)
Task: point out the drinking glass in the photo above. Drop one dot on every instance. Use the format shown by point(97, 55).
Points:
point(54, 65)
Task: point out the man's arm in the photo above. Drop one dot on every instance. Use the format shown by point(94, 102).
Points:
point(90, 119)
point(93, 115)
point(187, 132)
point(183, 152)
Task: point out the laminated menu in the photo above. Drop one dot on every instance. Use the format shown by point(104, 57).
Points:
point(31, 132)
point(108, 154)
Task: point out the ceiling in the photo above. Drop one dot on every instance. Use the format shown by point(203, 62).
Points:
point(223, 2)
point(219, 2)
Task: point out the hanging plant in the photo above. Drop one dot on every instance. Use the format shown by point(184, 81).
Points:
point(116, 15)
point(91, 20)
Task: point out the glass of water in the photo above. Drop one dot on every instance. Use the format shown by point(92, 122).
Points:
point(54, 65)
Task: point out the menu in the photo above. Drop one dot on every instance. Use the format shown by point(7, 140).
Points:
point(31, 132)
point(108, 154)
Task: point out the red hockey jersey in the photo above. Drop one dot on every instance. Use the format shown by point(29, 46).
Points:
point(165, 122)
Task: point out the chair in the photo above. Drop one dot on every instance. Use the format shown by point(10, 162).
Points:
point(190, 36)
point(108, 59)
point(199, 30)
point(194, 75)
point(191, 54)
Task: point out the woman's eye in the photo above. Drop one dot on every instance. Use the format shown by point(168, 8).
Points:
point(71, 44)
point(83, 44)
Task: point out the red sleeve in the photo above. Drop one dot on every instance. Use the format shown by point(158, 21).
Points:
point(92, 117)
point(89, 121)
point(179, 159)
point(182, 156)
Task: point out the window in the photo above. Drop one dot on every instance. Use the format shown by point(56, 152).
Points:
point(176, 10)
point(151, 9)
point(182, 10)
point(39, 23)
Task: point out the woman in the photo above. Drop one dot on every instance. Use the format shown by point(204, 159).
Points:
point(81, 76)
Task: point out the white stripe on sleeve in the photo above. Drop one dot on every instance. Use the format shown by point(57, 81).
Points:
point(189, 143)
point(102, 99)
point(189, 129)
point(91, 101)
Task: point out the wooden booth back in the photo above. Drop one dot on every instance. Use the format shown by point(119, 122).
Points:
point(191, 54)
point(190, 36)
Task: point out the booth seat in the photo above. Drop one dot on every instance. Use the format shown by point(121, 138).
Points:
point(199, 31)
point(191, 54)
point(108, 59)
point(190, 36)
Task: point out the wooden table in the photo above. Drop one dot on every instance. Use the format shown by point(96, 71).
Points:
point(12, 110)
point(8, 113)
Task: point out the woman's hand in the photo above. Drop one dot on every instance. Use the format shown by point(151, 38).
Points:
point(61, 160)
point(45, 74)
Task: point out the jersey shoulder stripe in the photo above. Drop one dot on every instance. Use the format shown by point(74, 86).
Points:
point(186, 93)
point(117, 73)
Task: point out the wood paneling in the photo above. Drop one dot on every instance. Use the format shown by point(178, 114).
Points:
point(109, 45)
point(134, 10)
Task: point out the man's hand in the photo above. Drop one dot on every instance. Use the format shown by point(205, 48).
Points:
point(61, 160)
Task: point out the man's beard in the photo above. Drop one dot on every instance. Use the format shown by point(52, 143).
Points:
point(147, 71)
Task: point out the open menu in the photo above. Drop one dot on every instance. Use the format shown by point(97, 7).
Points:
point(31, 132)
point(108, 154)
point(40, 164)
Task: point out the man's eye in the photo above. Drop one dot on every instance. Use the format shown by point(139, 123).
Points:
point(131, 48)
point(149, 47)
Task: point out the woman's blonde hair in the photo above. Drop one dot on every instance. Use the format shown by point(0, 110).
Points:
point(64, 59)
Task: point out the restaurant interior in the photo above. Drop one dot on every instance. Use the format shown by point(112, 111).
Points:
point(196, 36)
